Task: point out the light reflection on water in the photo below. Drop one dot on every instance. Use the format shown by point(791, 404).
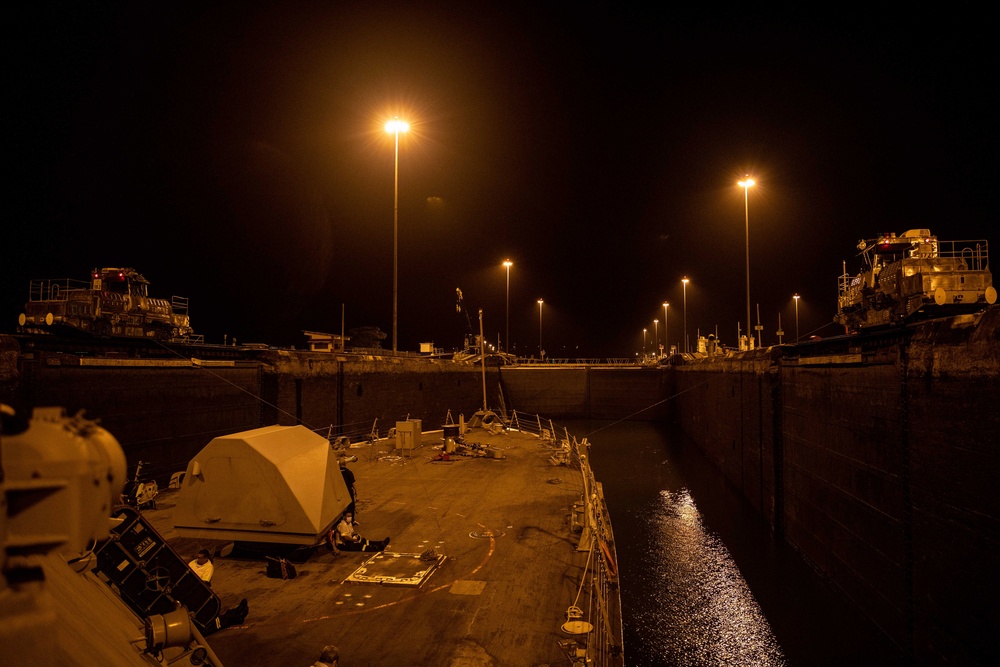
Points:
point(704, 612)
point(689, 549)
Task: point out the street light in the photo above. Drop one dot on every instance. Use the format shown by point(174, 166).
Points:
point(796, 297)
point(395, 126)
point(540, 328)
point(746, 184)
point(685, 281)
point(656, 338)
point(507, 264)
point(644, 343)
point(666, 328)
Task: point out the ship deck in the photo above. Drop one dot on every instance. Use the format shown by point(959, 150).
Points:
point(482, 567)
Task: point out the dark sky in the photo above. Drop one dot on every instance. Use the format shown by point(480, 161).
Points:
point(236, 156)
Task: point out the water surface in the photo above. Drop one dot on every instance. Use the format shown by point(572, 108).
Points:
point(702, 580)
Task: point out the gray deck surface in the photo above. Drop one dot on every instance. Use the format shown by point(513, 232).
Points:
point(511, 569)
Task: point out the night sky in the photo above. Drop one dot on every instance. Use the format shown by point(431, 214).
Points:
point(237, 156)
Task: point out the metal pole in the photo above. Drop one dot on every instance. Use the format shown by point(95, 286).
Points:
point(539, 328)
point(507, 339)
point(482, 358)
point(760, 328)
point(685, 283)
point(666, 328)
point(746, 205)
point(796, 297)
point(395, 241)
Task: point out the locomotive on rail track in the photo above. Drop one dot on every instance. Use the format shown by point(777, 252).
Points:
point(914, 276)
point(114, 303)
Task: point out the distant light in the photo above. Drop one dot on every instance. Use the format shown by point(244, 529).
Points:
point(685, 280)
point(508, 263)
point(395, 126)
point(747, 183)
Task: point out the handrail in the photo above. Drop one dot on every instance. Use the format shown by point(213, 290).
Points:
point(604, 641)
point(575, 362)
point(55, 289)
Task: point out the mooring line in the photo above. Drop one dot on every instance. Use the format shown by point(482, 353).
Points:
point(651, 406)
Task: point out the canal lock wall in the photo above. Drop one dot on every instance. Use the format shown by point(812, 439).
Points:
point(875, 457)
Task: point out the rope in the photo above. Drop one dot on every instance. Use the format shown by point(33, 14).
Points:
point(653, 405)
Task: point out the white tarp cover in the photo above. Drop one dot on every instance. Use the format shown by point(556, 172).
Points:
point(272, 484)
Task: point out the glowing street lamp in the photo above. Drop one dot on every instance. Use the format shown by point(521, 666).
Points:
point(685, 281)
point(796, 297)
point(644, 343)
point(746, 184)
point(507, 264)
point(666, 328)
point(656, 338)
point(395, 126)
point(540, 328)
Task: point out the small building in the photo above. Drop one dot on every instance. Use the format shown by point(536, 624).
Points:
point(325, 342)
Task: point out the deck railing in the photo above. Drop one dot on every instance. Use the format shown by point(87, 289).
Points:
point(55, 290)
point(601, 614)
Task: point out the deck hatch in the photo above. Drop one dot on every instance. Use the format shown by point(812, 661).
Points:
point(388, 568)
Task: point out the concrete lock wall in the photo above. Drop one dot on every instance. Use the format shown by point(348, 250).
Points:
point(319, 390)
point(587, 392)
point(159, 414)
point(167, 413)
point(875, 457)
point(877, 460)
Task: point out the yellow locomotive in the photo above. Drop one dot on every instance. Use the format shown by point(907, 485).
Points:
point(114, 303)
point(914, 276)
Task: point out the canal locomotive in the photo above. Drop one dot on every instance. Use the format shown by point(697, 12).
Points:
point(914, 276)
point(114, 303)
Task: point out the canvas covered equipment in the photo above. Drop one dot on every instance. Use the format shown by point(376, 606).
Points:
point(276, 484)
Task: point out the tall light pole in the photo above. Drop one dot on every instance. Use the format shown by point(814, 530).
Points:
point(656, 338)
point(540, 328)
point(685, 281)
point(395, 126)
point(666, 328)
point(644, 343)
point(506, 346)
point(796, 297)
point(746, 184)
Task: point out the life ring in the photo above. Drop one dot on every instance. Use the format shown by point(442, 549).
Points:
point(608, 558)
